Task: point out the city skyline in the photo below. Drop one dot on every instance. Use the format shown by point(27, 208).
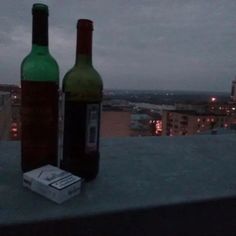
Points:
point(164, 45)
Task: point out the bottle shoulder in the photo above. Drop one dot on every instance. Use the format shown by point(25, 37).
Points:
point(44, 58)
point(83, 82)
point(39, 66)
point(82, 74)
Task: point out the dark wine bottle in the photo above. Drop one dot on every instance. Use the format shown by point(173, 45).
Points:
point(82, 88)
point(39, 107)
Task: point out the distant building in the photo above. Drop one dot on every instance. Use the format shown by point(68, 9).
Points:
point(14, 90)
point(233, 90)
point(201, 108)
point(219, 131)
point(115, 123)
point(123, 118)
point(116, 105)
point(152, 107)
point(5, 115)
point(11, 88)
point(140, 125)
point(180, 122)
point(223, 108)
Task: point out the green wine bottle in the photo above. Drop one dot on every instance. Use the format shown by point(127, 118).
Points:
point(39, 108)
point(82, 88)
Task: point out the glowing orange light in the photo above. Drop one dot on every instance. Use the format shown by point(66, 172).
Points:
point(158, 126)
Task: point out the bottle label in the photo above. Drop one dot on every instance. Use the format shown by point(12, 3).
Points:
point(92, 127)
point(81, 128)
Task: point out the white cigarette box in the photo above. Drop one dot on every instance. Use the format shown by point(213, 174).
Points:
point(52, 183)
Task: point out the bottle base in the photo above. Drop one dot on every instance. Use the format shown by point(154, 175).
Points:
point(86, 167)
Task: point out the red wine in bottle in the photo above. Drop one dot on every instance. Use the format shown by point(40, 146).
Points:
point(39, 108)
point(82, 88)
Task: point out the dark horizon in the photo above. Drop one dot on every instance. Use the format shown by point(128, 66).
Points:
point(149, 90)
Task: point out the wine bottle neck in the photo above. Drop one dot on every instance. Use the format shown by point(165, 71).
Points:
point(39, 49)
point(84, 47)
point(40, 29)
point(83, 59)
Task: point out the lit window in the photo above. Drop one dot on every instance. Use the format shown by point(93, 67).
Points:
point(158, 126)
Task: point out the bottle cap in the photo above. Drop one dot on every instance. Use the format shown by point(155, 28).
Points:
point(85, 24)
point(39, 8)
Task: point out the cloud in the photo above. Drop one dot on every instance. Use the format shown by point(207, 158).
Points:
point(146, 44)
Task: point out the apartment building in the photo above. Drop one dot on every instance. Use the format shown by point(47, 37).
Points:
point(187, 122)
point(5, 115)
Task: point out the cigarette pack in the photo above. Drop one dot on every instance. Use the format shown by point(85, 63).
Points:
point(53, 183)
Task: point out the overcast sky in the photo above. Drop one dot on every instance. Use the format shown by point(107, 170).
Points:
point(138, 44)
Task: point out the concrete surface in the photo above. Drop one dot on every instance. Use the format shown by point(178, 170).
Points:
point(146, 185)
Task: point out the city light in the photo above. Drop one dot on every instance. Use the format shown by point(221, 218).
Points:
point(158, 127)
point(14, 129)
point(213, 99)
point(154, 119)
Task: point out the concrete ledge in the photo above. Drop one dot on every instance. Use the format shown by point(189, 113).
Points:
point(214, 217)
point(146, 186)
